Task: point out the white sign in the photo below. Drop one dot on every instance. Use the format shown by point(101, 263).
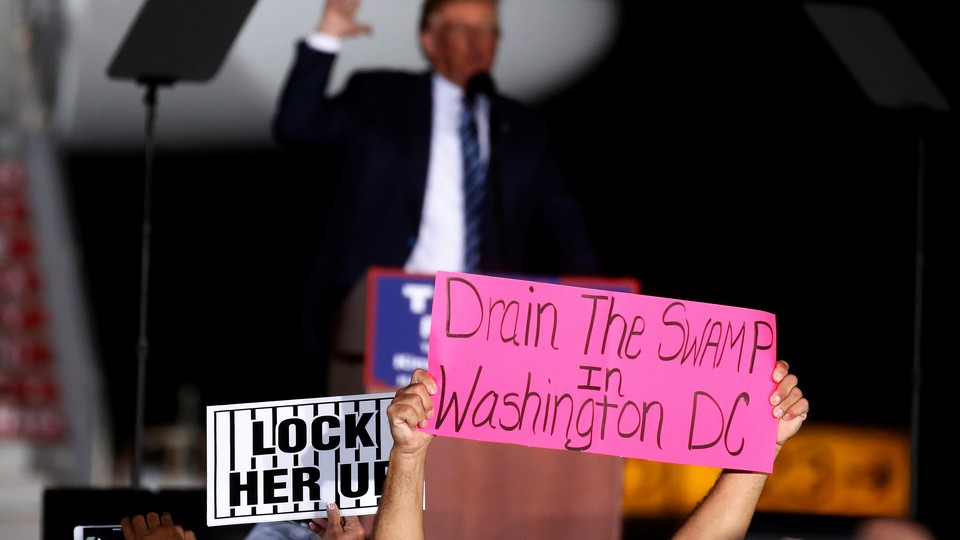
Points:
point(283, 460)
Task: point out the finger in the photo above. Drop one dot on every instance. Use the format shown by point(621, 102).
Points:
point(417, 395)
point(189, 535)
point(353, 6)
point(360, 28)
point(421, 376)
point(153, 520)
point(790, 402)
point(408, 410)
point(780, 370)
point(797, 410)
point(347, 7)
point(166, 519)
point(415, 389)
point(333, 517)
point(140, 525)
point(352, 523)
point(126, 526)
point(318, 525)
point(783, 390)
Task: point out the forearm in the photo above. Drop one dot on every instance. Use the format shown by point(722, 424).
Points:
point(302, 112)
point(727, 510)
point(401, 508)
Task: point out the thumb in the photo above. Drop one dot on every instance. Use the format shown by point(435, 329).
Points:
point(333, 518)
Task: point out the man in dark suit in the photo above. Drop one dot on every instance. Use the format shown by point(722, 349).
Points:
point(397, 198)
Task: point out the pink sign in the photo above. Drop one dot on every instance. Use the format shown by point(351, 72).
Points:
point(589, 370)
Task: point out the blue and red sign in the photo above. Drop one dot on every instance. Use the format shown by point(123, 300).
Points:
point(399, 305)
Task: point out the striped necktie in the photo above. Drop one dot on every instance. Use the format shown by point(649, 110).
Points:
point(474, 176)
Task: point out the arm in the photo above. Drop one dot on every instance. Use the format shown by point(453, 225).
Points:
point(304, 114)
point(401, 509)
point(727, 510)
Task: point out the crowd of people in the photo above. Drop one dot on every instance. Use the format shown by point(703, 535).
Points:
point(724, 513)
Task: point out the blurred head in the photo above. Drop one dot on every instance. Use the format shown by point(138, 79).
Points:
point(460, 37)
point(891, 529)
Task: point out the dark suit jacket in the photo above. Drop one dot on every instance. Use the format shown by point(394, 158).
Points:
point(378, 130)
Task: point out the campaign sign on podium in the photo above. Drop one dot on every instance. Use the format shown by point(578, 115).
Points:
point(399, 305)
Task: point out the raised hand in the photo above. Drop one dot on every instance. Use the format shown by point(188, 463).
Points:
point(410, 410)
point(339, 19)
point(788, 402)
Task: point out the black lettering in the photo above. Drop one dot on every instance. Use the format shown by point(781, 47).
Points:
point(305, 479)
point(588, 385)
point(317, 431)
point(237, 486)
point(454, 403)
point(746, 400)
point(259, 440)
point(347, 482)
point(693, 422)
point(356, 430)
point(476, 294)
point(292, 435)
point(271, 484)
point(680, 327)
point(757, 345)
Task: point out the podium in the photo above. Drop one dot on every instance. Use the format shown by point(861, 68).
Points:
point(477, 490)
point(474, 490)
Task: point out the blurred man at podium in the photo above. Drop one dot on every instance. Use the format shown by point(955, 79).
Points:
point(391, 152)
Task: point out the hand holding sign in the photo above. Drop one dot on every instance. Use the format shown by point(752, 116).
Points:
point(727, 510)
point(337, 527)
point(401, 508)
point(410, 411)
point(153, 526)
point(789, 405)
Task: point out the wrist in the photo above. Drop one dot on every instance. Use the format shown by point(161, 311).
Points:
point(411, 455)
point(324, 42)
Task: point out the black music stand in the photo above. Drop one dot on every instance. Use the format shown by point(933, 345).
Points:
point(891, 78)
point(169, 41)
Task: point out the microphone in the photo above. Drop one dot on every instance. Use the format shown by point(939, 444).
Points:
point(481, 83)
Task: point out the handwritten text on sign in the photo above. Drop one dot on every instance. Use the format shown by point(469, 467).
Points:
point(556, 366)
point(281, 460)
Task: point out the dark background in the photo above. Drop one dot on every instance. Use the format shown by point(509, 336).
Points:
point(722, 153)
